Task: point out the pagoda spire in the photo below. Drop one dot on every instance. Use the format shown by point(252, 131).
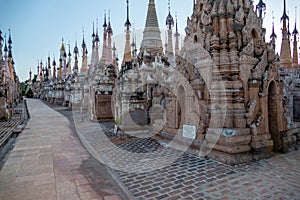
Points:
point(133, 45)
point(1, 39)
point(46, 73)
point(54, 68)
point(169, 20)
point(104, 24)
point(38, 71)
point(127, 52)
point(261, 7)
point(285, 53)
point(10, 58)
point(169, 24)
point(288, 30)
point(104, 50)
point(127, 23)
point(41, 72)
point(177, 35)
point(93, 35)
point(284, 16)
point(9, 45)
point(83, 69)
point(5, 47)
point(114, 49)
point(273, 35)
point(109, 42)
point(49, 67)
point(97, 40)
point(5, 70)
point(30, 76)
point(62, 48)
point(93, 46)
point(63, 56)
point(151, 36)
point(295, 31)
point(76, 53)
point(295, 45)
point(69, 65)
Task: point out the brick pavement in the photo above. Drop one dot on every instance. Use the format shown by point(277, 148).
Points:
point(53, 165)
point(49, 162)
point(189, 176)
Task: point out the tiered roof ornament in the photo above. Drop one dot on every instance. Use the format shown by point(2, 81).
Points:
point(151, 36)
point(285, 53)
point(169, 20)
point(295, 46)
point(177, 35)
point(261, 7)
point(169, 24)
point(273, 35)
point(127, 52)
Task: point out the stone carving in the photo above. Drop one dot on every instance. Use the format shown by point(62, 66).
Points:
point(288, 119)
point(256, 124)
point(250, 111)
point(239, 16)
point(259, 69)
point(252, 25)
point(264, 86)
point(205, 19)
point(248, 50)
point(189, 26)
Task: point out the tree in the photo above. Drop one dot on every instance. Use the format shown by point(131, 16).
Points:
point(29, 94)
point(24, 87)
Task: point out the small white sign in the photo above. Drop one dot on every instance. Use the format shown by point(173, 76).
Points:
point(189, 131)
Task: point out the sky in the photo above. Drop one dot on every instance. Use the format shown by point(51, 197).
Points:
point(38, 26)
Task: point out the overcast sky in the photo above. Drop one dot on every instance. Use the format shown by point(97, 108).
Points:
point(38, 26)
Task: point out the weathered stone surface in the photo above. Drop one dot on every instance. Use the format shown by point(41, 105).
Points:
point(235, 149)
point(256, 138)
point(262, 144)
point(230, 159)
point(230, 141)
point(4, 112)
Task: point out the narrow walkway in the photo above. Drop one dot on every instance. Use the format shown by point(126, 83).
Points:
point(49, 162)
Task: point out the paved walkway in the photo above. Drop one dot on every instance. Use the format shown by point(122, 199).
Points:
point(152, 170)
point(49, 162)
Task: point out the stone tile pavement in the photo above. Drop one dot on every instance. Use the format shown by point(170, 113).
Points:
point(49, 162)
point(144, 166)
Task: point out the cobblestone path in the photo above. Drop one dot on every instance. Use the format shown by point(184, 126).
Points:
point(144, 166)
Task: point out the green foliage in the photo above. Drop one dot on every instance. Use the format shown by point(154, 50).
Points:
point(29, 94)
point(117, 121)
point(23, 88)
